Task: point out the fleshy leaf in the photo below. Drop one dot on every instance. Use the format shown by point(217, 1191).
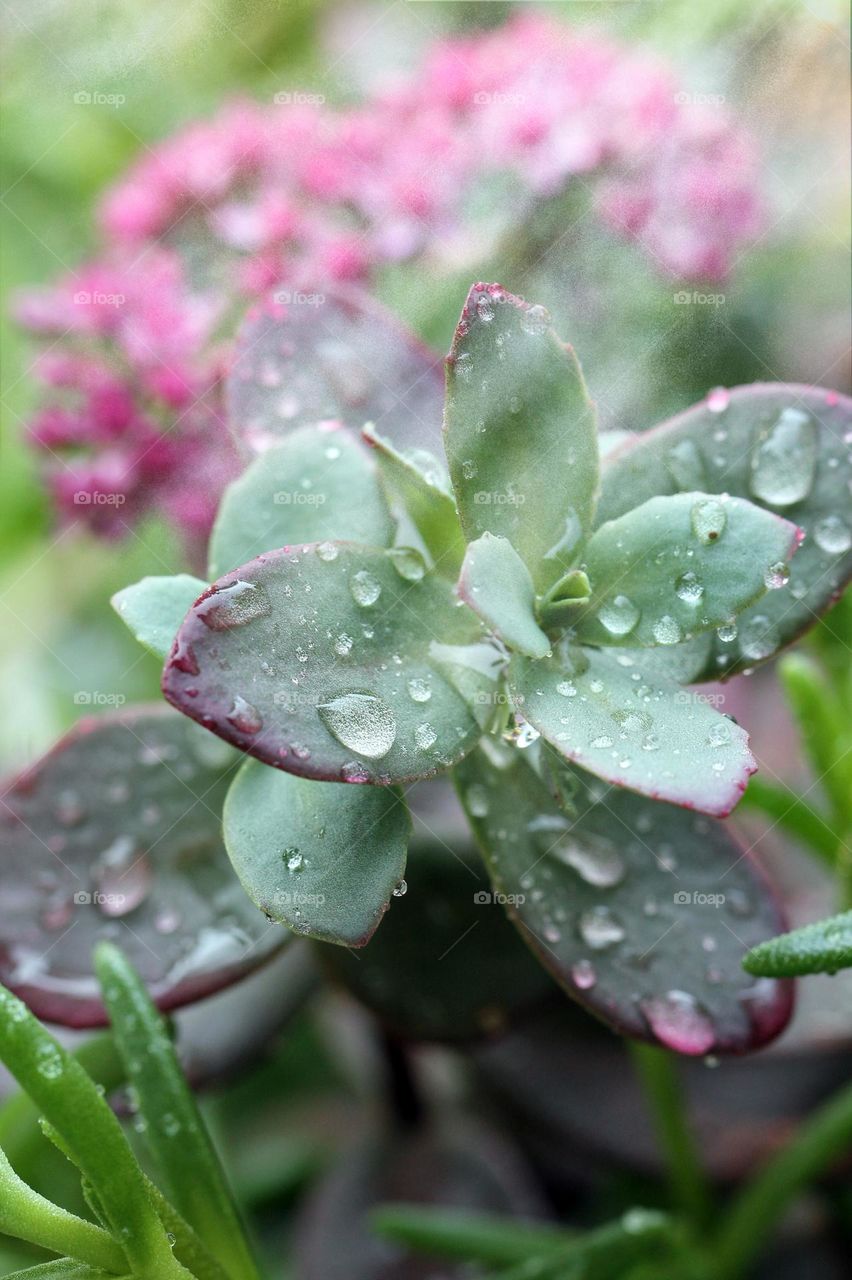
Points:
point(318, 484)
point(680, 565)
point(641, 911)
point(519, 431)
point(327, 661)
point(783, 447)
point(635, 730)
point(320, 857)
point(341, 358)
point(154, 608)
point(822, 947)
point(497, 585)
point(116, 833)
point(446, 964)
point(421, 482)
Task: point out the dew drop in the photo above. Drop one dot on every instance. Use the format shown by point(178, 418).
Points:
point(601, 742)
point(719, 735)
point(619, 616)
point(784, 461)
point(758, 637)
point(327, 551)
point(583, 975)
point(343, 645)
point(595, 859)
point(689, 588)
point(832, 535)
point(727, 632)
point(425, 736)
point(600, 929)
point(535, 320)
point(365, 588)
point(408, 563)
point(679, 1022)
point(566, 689)
point(360, 721)
point(477, 800)
point(708, 520)
point(776, 576)
point(419, 690)
point(667, 630)
point(245, 717)
point(400, 889)
point(718, 400)
point(234, 605)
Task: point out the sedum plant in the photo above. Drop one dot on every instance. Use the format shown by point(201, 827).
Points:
point(529, 614)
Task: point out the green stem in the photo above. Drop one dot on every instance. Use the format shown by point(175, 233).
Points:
point(690, 1191)
point(793, 815)
point(824, 1138)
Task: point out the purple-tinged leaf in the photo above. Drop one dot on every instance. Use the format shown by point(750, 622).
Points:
point(786, 448)
point(340, 358)
point(676, 566)
point(520, 432)
point(318, 484)
point(322, 858)
point(635, 729)
point(641, 911)
point(334, 661)
point(497, 585)
point(116, 834)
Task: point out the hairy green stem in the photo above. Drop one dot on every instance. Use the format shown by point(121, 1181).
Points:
point(690, 1191)
point(825, 1137)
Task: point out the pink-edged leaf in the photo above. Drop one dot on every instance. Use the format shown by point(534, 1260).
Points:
point(336, 355)
point(783, 447)
point(116, 834)
point(635, 729)
point(641, 911)
point(334, 661)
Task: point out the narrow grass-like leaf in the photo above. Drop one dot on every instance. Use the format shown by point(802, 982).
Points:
point(65, 1269)
point(71, 1102)
point(319, 857)
point(822, 947)
point(175, 1132)
point(497, 585)
point(154, 608)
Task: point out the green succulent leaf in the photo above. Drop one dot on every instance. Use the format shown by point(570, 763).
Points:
point(334, 661)
point(421, 483)
point(633, 729)
point(65, 1269)
point(69, 1100)
point(497, 585)
point(784, 448)
point(318, 484)
point(335, 356)
point(520, 433)
point(822, 947)
point(122, 818)
point(641, 911)
point(322, 858)
point(154, 608)
point(446, 964)
point(175, 1133)
point(676, 566)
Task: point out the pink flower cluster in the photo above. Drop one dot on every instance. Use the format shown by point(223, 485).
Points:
point(295, 194)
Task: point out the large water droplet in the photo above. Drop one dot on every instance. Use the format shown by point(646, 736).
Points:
point(667, 630)
point(595, 859)
point(600, 929)
point(719, 735)
point(728, 631)
point(832, 535)
point(234, 605)
point(123, 876)
point(619, 615)
point(425, 736)
point(784, 460)
point(583, 975)
point(708, 520)
point(419, 690)
point(689, 588)
point(365, 588)
point(408, 563)
point(718, 399)
point(360, 721)
point(244, 716)
point(679, 1022)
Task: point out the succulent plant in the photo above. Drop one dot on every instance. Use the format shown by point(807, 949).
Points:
point(526, 615)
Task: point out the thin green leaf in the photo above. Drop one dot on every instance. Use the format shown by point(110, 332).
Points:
point(520, 432)
point(824, 730)
point(822, 947)
point(422, 485)
point(65, 1269)
point(497, 585)
point(154, 608)
point(71, 1102)
point(319, 484)
point(174, 1130)
point(793, 814)
point(674, 567)
point(468, 1237)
